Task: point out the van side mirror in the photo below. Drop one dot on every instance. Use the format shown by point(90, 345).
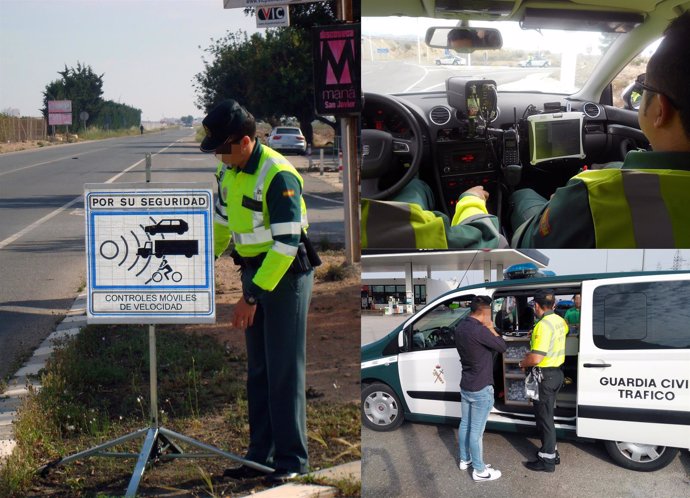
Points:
point(401, 339)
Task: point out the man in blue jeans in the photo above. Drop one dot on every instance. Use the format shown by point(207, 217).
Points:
point(476, 341)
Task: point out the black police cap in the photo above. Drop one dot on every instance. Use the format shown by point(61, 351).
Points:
point(224, 120)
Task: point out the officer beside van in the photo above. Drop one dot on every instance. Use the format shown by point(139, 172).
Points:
point(547, 354)
point(261, 208)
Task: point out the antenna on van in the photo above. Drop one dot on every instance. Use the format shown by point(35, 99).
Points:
point(468, 267)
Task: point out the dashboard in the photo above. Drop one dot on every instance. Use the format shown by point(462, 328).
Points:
point(471, 137)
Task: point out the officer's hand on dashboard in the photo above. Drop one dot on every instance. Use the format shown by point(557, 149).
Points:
point(478, 191)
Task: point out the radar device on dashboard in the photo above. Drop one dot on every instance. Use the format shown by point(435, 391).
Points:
point(473, 98)
point(555, 136)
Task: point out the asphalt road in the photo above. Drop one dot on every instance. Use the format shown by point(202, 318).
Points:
point(405, 77)
point(42, 255)
point(420, 460)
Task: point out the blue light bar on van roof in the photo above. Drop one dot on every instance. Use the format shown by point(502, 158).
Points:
point(526, 270)
point(522, 270)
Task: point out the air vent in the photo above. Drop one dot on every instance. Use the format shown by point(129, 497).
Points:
point(439, 115)
point(591, 110)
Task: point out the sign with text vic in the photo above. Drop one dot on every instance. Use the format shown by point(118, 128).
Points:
point(149, 253)
point(271, 17)
point(337, 70)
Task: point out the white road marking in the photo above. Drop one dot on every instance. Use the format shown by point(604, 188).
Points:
point(334, 201)
point(59, 210)
point(426, 72)
point(51, 161)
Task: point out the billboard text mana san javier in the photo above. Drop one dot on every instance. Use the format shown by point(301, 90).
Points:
point(337, 70)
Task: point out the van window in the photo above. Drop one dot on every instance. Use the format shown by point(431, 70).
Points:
point(436, 329)
point(650, 315)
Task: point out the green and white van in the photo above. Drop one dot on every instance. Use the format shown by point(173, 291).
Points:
point(627, 365)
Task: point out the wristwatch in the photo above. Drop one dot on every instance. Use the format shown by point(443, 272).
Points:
point(250, 300)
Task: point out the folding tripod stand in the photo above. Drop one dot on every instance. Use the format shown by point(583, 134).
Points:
point(159, 442)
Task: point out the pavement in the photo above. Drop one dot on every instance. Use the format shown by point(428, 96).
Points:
point(27, 378)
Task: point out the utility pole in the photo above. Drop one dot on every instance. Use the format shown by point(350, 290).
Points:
point(678, 261)
point(349, 127)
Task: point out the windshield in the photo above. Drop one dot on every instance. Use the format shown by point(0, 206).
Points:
point(395, 58)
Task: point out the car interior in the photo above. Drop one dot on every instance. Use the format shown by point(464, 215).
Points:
point(477, 128)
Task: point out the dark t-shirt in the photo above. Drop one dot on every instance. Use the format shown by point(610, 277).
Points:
point(476, 345)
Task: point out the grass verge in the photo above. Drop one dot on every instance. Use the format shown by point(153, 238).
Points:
point(95, 388)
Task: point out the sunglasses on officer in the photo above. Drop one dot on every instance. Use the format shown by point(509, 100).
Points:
point(226, 147)
point(640, 86)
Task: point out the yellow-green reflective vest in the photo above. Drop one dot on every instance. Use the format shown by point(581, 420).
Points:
point(548, 338)
point(390, 224)
point(639, 207)
point(242, 214)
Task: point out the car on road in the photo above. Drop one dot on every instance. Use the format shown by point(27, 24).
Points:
point(450, 59)
point(535, 62)
point(287, 138)
point(626, 368)
point(449, 130)
point(167, 225)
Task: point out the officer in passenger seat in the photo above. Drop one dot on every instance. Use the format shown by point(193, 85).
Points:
point(642, 204)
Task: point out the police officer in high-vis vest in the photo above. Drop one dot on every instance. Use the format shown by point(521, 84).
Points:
point(547, 354)
point(642, 202)
point(260, 209)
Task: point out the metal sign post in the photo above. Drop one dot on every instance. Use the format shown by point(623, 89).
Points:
point(124, 288)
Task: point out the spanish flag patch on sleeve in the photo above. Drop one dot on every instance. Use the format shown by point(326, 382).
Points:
point(289, 192)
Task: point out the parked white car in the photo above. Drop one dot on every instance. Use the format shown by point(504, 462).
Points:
point(451, 60)
point(287, 138)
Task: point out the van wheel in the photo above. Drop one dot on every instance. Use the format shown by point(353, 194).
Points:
point(640, 457)
point(381, 408)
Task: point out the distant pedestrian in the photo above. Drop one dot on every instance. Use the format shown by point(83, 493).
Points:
point(476, 341)
point(141, 129)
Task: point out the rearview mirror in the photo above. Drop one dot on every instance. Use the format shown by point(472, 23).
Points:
point(464, 40)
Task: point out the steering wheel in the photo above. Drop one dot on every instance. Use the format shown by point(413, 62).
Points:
point(440, 336)
point(380, 150)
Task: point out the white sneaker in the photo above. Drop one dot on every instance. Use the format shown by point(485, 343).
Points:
point(464, 465)
point(488, 475)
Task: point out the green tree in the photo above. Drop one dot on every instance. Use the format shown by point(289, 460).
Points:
point(114, 115)
point(85, 89)
point(271, 74)
point(187, 120)
point(80, 85)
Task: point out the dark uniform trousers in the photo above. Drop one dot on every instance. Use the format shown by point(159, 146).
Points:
point(276, 362)
point(544, 409)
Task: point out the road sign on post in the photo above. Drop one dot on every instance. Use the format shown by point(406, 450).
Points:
point(59, 112)
point(149, 253)
point(271, 17)
point(241, 4)
point(337, 70)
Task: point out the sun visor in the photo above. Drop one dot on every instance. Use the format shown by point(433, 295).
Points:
point(580, 20)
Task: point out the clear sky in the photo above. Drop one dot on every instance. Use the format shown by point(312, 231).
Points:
point(148, 49)
point(575, 261)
